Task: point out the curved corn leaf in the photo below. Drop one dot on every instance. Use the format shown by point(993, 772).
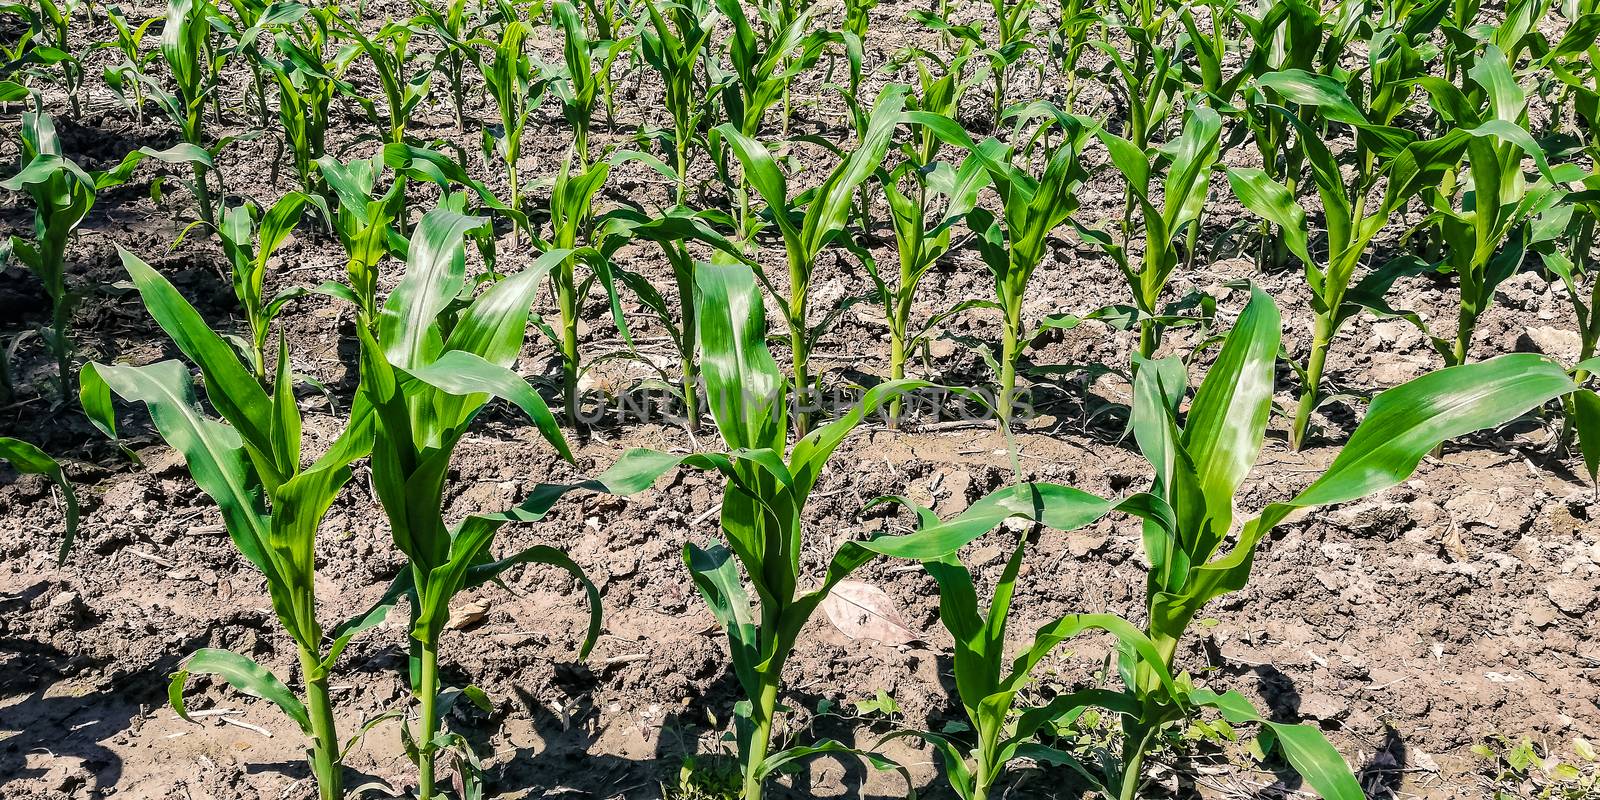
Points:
point(28, 459)
point(244, 675)
point(1305, 747)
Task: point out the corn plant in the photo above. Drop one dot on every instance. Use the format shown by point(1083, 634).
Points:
point(762, 67)
point(44, 44)
point(762, 511)
point(365, 226)
point(428, 367)
point(192, 58)
point(822, 221)
point(986, 683)
point(249, 238)
point(1403, 168)
point(255, 18)
point(1143, 75)
point(1199, 462)
point(126, 78)
point(672, 231)
point(448, 23)
point(250, 464)
point(674, 49)
point(1483, 227)
point(941, 85)
point(63, 194)
point(1013, 38)
point(571, 222)
point(28, 459)
point(403, 91)
point(516, 90)
point(307, 84)
point(1171, 221)
point(1013, 244)
point(580, 84)
point(924, 218)
point(1564, 237)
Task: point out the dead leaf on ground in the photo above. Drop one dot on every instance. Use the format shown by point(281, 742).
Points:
point(863, 611)
point(467, 615)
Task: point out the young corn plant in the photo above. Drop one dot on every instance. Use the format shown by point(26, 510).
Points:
point(762, 66)
point(1565, 236)
point(571, 222)
point(250, 463)
point(580, 85)
point(307, 85)
point(255, 18)
point(807, 234)
point(1143, 73)
point(50, 25)
point(673, 231)
point(1402, 165)
point(674, 49)
point(1013, 28)
point(63, 194)
point(249, 238)
point(448, 22)
point(516, 90)
point(403, 92)
point(763, 506)
point(365, 225)
point(1199, 462)
point(189, 49)
point(987, 683)
point(1014, 244)
point(1484, 226)
point(924, 218)
point(126, 78)
point(428, 367)
point(1171, 221)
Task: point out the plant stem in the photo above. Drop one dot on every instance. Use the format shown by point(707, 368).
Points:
point(1133, 761)
point(202, 195)
point(1464, 330)
point(61, 311)
point(566, 295)
point(690, 336)
point(1310, 393)
point(762, 710)
point(1008, 366)
point(325, 752)
point(1147, 337)
point(428, 694)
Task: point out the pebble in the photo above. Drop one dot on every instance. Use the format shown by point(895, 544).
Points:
point(1572, 596)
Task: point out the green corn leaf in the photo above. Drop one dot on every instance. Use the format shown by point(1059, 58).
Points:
point(1586, 407)
point(28, 459)
point(1407, 422)
point(244, 675)
point(878, 761)
point(1273, 202)
point(1305, 747)
point(1228, 418)
point(463, 373)
point(1317, 91)
point(745, 389)
point(435, 270)
point(213, 452)
point(230, 386)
